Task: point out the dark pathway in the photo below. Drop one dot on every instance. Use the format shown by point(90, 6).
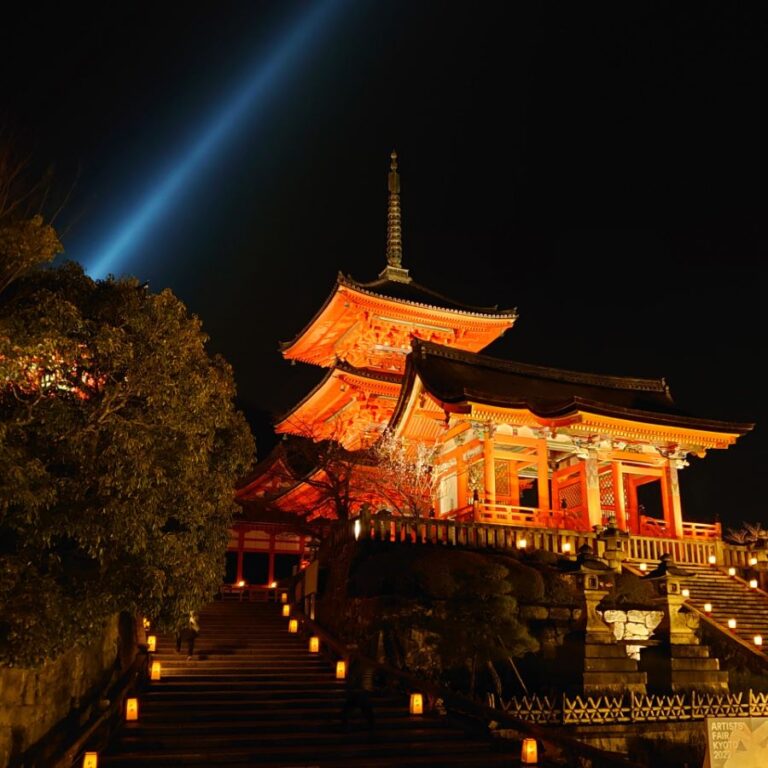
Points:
point(254, 695)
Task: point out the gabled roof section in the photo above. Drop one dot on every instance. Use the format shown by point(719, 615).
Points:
point(267, 478)
point(414, 293)
point(370, 325)
point(348, 405)
point(460, 381)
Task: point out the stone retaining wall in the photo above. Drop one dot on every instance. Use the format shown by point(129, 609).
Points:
point(32, 701)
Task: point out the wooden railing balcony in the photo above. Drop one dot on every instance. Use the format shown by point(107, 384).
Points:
point(530, 528)
point(510, 514)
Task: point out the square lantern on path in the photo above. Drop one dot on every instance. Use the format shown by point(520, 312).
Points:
point(152, 643)
point(293, 626)
point(131, 709)
point(529, 753)
point(417, 704)
point(91, 760)
point(286, 610)
point(155, 674)
point(341, 670)
point(314, 644)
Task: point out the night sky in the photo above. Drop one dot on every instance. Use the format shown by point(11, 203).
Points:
point(605, 172)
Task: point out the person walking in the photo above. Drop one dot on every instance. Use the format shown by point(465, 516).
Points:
point(188, 635)
point(359, 691)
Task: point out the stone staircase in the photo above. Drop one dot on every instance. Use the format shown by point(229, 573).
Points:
point(254, 695)
point(731, 598)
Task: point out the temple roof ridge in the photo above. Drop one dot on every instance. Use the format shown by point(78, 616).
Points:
point(542, 371)
point(454, 377)
point(419, 295)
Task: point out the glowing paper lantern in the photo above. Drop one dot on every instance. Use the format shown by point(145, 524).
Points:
point(131, 709)
point(417, 704)
point(91, 760)
point(712, 560)
point(241, 583)
point(731, 571)
point(152, 643)
point(567, 548)
point(753, 561)
point(284, 597)
point(731, 623)
point(686, 592)
point(643, 567)
point(314, 644)
point(758, 639)
point(529, 754)
point(357, 529)
point(522, 543)
point(286, 610)
point(707, 607)
point(273, 585)
point(293, 626)
point(155, 675)
point(753, 583)
point(341, 670)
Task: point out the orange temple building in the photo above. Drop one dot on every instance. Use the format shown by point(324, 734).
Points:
point(518, 445)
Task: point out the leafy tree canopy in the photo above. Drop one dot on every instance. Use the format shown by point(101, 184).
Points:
point(119, 451)
point(476, 607)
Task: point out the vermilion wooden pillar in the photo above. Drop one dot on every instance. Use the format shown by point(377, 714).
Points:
point(490, 468)
point(670, 493)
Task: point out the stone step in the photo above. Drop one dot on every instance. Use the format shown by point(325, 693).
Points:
point(322, 736)
point(597, 664)
point(690, 651)
point(694, 664)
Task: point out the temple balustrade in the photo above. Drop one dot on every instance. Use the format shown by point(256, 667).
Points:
point(697, 545)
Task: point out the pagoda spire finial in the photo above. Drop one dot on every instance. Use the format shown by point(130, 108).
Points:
point(394, 269)
point(394, 228)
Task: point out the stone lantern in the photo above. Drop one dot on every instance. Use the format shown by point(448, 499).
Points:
point(611, 537)
point(595, 580)
point(669, 581)
point(606, 666)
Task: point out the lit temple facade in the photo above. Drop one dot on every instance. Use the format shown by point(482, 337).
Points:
point(517, 444)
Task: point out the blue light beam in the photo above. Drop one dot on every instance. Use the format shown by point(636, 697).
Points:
point(233, 112)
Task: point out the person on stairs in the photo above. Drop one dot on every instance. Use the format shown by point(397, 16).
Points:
point(188, 635)
point(359, 691)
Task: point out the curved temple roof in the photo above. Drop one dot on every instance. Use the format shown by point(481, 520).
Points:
point(455, 379)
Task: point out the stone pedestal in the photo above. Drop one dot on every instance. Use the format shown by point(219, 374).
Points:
point(680, 668)
point(608, 669)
